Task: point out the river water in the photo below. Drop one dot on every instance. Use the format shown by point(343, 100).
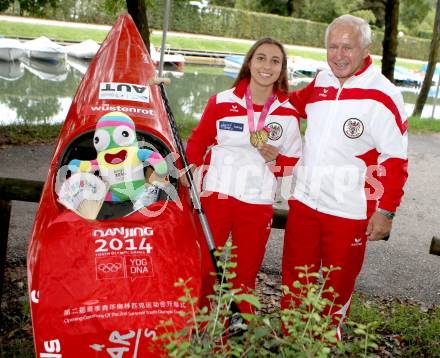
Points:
point(35, 92)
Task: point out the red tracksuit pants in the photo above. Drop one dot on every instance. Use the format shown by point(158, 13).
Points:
point(249, 225)
point(314, 238)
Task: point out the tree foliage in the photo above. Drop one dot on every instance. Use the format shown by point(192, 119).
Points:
point(323, 11)
point(315, 10)
point(226, 3)
point(413, 13)
point(30, 7)
point(4, 4)
point(36, 7)
point(278, 7)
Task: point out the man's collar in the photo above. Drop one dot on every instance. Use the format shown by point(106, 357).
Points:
point(367, 62)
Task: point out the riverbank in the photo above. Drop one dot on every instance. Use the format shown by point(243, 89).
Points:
point(19, 134)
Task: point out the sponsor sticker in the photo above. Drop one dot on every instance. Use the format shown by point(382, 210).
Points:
point(124, 92)
point(131, 110)
point(231, 126)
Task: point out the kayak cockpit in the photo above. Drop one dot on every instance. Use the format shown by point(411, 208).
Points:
point(82, 148)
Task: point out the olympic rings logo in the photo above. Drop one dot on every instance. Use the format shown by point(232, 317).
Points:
point(109, 267)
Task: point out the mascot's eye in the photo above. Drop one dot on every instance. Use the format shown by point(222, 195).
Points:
point(101, 140)
point(124, 136)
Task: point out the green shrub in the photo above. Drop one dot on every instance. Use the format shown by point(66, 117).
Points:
point(304, 331)
point(236, 23)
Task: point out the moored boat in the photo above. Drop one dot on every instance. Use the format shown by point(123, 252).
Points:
point(11, 49)
point(175, 60)
point(44, 49)
point(83, 50)
point(233, 64)
point(404, 77)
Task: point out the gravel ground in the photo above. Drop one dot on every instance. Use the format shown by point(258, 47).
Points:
point(401, 267)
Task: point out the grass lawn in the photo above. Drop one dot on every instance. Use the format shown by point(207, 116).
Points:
point(60, 33)
point(418, 125)
point(57, 33)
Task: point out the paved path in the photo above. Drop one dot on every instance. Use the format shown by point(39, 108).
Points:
point(401, 267)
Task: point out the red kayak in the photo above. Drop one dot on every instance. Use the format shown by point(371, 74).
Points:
point(100, 287)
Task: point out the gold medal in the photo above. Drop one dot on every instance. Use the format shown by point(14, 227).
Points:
point(261, 135)
point(258, 138)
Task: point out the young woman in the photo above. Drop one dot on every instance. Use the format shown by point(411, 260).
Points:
point(247, 136)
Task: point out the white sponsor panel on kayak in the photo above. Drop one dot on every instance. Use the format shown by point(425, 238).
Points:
point(105, 108)
point(124, 91)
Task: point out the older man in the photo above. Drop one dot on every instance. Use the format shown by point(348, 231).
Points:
point(350, 180)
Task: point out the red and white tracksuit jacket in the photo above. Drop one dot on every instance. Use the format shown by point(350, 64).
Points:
point(351, 129)
point(355, 158)
point(242, 183)
point(235, 168)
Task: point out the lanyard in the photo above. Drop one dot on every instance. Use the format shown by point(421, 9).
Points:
point(250, 111)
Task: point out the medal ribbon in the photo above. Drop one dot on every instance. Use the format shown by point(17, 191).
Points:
point(250, 110)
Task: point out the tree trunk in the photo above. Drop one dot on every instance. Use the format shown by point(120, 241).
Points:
point(432, 62)
point(138, 11)
point(389, 44)
point(289, 6)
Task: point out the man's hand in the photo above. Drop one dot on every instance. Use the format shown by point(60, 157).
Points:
point(159, 80)
point(378, 227)
point(268, 152)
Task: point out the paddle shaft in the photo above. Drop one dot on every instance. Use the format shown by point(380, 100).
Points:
point(193, 189)
point(235, 317)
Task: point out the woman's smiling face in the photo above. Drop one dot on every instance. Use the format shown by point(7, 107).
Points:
point(266, 65)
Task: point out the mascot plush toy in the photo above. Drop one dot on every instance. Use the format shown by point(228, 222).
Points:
point(120, 161)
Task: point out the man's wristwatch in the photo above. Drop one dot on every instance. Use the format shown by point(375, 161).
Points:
point(388, 214)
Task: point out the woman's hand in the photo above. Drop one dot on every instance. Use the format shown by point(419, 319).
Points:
point(183, 179)
point(268, 152)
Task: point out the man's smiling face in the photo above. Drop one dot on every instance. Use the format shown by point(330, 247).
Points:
point(345, 51)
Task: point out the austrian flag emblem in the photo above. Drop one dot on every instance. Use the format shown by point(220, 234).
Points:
point(353, 128)
point(275, 131)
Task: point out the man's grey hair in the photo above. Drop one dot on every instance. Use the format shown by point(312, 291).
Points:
point(360, 24)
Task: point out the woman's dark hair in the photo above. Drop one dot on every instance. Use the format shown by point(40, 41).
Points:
point(282, 83)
